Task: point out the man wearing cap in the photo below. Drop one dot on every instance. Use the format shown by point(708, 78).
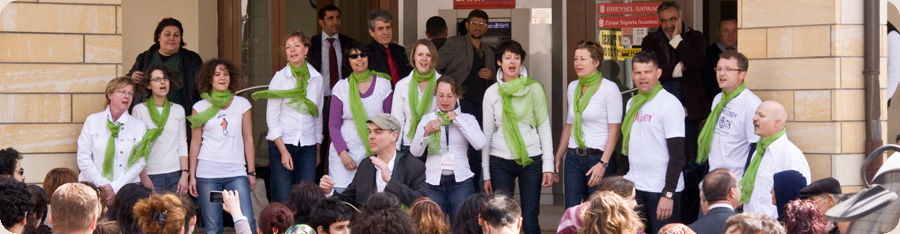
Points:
point(389, 170)
point(822, 193)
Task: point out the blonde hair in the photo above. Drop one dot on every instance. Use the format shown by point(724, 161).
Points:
point(160, 214)
point(431, 48)
point(607, 212)
point(116, 84)
point(428, 216)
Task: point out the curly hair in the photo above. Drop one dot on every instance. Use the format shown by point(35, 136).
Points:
point(204, 77)
point(427, 214)
point(803, 217)
point(160, 214)
point(9, 157)
point(303, 196)
point(16, 202)
point(122, 206)
point(329, 211)
point(381, 214)
point(607, 212)
point(467, 215)
point(275, 215)
point(58, 177)
point(173, 76)
point(676, 228)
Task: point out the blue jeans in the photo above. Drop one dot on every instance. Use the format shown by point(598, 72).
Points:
point(450, 194)
point(166, 182)
point(576, 183)
point(281, 179)
point(503, 180)
point(647, 203)
point(212, 212)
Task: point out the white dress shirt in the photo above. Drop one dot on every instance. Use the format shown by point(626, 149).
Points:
point(326, 49)
point(379, 181)
point(461, 132)
point(284, 121)
point(781, 155)
point(92, 149)
point(400, 108)
point(166, 150)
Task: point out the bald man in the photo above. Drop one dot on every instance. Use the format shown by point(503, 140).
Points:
point(774, 153)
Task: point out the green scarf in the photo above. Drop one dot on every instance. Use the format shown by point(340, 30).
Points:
point(636, 104)
point(434, 140)
point(142, 148)
point(521, 103)
point(418, 107)
point(297, 95)
point(110, 156)
point(357, 110)
point(706, 135)
point(218, 100)
point(591, 82)
point(749, 179)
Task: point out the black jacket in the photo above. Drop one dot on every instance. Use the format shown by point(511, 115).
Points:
point(407, 181)
point(378, 60)
point(708, 71)
point(315, 53)
point(190, 65)
point(713, 222)
point(690, 52)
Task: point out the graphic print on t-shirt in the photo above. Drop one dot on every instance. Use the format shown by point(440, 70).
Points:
point(224, 124)
point(726, 119)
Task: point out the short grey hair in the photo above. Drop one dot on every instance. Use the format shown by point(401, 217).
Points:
point(379, 15)
point(668, 4)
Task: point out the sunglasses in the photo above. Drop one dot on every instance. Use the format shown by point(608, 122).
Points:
point(359, 55)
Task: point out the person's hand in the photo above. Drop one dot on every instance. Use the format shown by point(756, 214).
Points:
point(252, 179)
point(232, 203)
point(664, 208)
point(347, 160)
point(596, 174)
point(193, 186)
point(137, 76)
point(148, 184)
point(556, 163)
point(385, 170)
point(326, 184)
point(488, 188)
point(287, 161)
point(432, 126)
point(184, 184)
point(110, 194)
point(548, 179)
point(484, 73)
point(451, 116)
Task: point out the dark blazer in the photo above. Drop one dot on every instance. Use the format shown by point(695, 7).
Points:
point(378, 60)
point(708, 71)
point(691, 53)
point(713, 222)
point(190, 65)
point(407, 181)
point(455, 60)
point(315, 53)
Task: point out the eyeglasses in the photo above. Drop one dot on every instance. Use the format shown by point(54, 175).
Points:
point(159, 79)
point(478, 23)
point(727, 69)
point(123, 92)
point(21, 171)
point(359, 55)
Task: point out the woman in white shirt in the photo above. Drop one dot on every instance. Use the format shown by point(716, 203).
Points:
point(518, 144)
point(414, 95)
point(446, 134)
point(592, 126)
point(354, 100)
point(167, 164)
point(294, 120)
point(221, 153)
point(107, 138)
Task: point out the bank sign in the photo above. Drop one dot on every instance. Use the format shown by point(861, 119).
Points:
point(627, 15)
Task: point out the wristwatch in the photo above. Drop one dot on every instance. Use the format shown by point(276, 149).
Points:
point(251, 173)
point(605, 164)
point(669, 195)
point(185, 171)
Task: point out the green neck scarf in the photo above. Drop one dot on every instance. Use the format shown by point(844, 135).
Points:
point(142, 148)
point(521, 101)
point(706, 135)
point(357, 110)
point(749, 179)
point(218, 100)
point(418, 107)
point(636, 104)
point(434, 140)
point(110, 156)
point(297, 95)
point(591, 82)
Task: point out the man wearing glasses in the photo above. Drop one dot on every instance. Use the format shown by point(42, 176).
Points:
point(11, 164)
point(466, 58)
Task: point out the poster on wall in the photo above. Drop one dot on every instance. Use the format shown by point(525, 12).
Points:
point(484, 4)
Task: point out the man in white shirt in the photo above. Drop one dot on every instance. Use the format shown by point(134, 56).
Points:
point(774, 153)
point(721, 190)
point(377, 173)
point(653, 131)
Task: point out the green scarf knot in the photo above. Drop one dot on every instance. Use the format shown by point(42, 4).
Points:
point(749, 179)
point(110, 155)
point(521, 100)
point(298, 100)
point(434, 140)
point(591, 81)
point(357, 110)
point(636, 104)
point(218, 100)
point(418, 107)
point(706, 135)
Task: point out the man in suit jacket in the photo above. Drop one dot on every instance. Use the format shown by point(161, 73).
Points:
point(385, 55)
point(721, 191)
point(389, 171)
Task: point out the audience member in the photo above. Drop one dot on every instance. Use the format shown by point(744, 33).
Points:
point(607, 212)
point(159, 214)
point(786, 188)
point(108, 227)
point(825, 193)
point(500, 214)
point(303, 196)
point(436, 31)
point(722, 194)
point(58, 177)
point(232, 204)
point(276, 218)
point(75, 208)
point(467, 216)
point(570, 222)
point(16, 202)
point(332, 216)
point(676, 228)
point(752, 223)
point(11, 164)
point(427, 214)
point(190, 212)
point(381, 214)
point(101, 194)
point(803, 217)
point(38, 213)
point(122, 206)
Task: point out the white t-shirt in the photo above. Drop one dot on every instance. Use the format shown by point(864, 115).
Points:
point(355, 148)
point(400, 106)
point(170, 145)
point(733, 134)
point(222, 148)
point(659, 119)
point(604, 108)
point(781, 155)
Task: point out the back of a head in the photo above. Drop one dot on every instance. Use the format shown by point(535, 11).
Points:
point(435, 26)
point(500, 210)
point(467, 215)
point(275, 216)
point(38, 212)
point(717, 185)
point(618, 185)
point(607, 212)
point(303, 196)
point(73, 207)
point(16, 202)
point(676, 228)
point(787, 185)
point(190, 210)
point(753, 223)
point(57, 177)
point(122, 206)
point(381, 214)
point(108, 227)
point(427, 214)
point(803, 217)
point(160, 214)
point(329, 211)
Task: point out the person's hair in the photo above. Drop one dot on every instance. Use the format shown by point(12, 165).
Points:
point(431, 48)
point(329, 211)
point(478, 13)
point(379, 15)
point(325, 9)
point(898, 138)
point(8, 159)
point(275, 215)
point(173, 77)
point(607, 212)
point(208, 70)
point(117, 83)
point(16, 201)
point(645, 57)
point(803, 217)
point(757, 223)
point(122, 207)
point(676, 228)
point(728, 18)
point(72, 207)
point(435, 26)
point(467, 215)
point(511, 46)
point(303, 196)
point(108, 227)
point(666, 5)
point(159, 214)
point(717, 185)
point(101, 196)
point(617, 185)
point(455, 87)
point(593, 48)
point(165, 23)
point(381, 214)
point(297, 33)
point(38, 211)
point(500, 210)
point(742, 61)
point(58, 177)
point(190, 210)
point(427, 214)
point(355, 45)
point(461, 28)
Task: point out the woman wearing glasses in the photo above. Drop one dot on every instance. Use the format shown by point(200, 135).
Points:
point(105, 155)
point(415, 94)
point(362, 95)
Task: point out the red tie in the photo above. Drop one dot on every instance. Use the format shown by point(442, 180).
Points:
point(332, 64)
point(395, 75)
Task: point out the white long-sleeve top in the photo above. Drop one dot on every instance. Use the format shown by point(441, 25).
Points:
point(92, 149)
point(400, 108)
point(284, 121)
point(461, 132)
point(781, 155)
point(538, 141)
point(171, 143)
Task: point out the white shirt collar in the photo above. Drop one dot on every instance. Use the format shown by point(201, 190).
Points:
point(522, 73)
point(122, 119)
point(717, 205)
point(325, 36)
point(723, 47)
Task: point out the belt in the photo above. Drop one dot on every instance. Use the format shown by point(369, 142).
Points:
point(585, 151)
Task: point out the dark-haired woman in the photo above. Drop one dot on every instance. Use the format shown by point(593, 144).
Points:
point(168, 49)
point(167, 163)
